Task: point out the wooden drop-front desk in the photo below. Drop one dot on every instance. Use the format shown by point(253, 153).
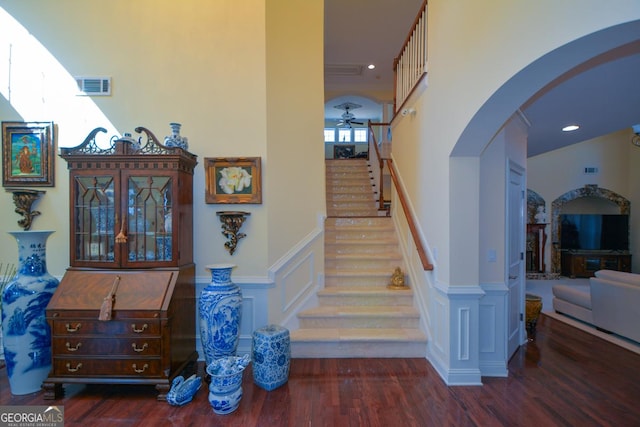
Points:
point(148, 340)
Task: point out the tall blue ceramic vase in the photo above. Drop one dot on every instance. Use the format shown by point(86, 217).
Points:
point(26, 335)
point(220, 314)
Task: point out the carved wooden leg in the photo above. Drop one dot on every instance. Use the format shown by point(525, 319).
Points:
point(52, 390)
point(163, 389)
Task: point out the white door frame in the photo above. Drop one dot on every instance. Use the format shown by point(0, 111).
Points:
point(515, 244)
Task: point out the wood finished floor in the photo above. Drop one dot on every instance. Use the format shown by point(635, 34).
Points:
point(565, 378)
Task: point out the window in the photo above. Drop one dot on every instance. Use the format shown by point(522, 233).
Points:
point(329, 135)
point(344, 135)
point(360, 135)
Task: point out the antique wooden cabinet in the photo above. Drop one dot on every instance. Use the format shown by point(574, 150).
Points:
point(131, 242)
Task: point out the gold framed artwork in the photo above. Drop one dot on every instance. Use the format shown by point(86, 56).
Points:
point(28, 154)
point(233, 180)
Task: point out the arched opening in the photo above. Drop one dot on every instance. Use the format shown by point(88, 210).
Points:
point(588, 199)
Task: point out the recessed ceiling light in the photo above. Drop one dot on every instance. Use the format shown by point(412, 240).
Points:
point(570, 128)
point(371, 66)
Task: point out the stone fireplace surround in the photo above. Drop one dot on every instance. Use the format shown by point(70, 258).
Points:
point(588, 192)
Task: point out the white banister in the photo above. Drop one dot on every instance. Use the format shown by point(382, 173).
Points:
point(411, 63)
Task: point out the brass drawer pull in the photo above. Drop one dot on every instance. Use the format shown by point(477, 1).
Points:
point(76, 348)
point(76, 369)
point(139, 349)
point(137, 331)
point(139, 371)
point(73, 329)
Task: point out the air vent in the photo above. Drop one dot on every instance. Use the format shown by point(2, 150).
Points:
point(94, 86)
point(590, 170)
point(343, 70)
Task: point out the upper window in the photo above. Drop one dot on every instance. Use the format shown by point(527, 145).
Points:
point(360, 135)
point(329, 135)
point(344, 135)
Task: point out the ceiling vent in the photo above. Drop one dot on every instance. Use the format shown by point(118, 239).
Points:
point(94, 86)
point(343, 70)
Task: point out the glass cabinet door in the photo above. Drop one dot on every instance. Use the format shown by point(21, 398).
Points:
point(149, 219)
point(94, 218)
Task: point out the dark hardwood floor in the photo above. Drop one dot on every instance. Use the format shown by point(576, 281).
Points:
point(566, 377)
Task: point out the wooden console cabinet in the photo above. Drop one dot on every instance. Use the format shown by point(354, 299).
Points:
point(131, 240)
point(578, 264)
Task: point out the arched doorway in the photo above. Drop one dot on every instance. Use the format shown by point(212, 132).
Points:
point(588, 191)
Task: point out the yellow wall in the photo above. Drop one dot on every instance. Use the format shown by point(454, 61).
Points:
point(475, 48)
point(203, 64)
point(553, 174)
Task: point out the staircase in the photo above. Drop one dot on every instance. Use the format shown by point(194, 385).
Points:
point(357, 315)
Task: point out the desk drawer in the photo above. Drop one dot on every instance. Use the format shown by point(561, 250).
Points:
point(116, 368)
point(133, 327)
point(83, 346)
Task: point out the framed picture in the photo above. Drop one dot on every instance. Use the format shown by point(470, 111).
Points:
point(344, 151)
point(233, 180)
point(28, 154)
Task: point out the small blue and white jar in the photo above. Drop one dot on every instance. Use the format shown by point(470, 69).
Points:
point(271, 354)
point(225, 388)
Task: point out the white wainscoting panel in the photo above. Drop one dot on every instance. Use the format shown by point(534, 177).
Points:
point(493, 330)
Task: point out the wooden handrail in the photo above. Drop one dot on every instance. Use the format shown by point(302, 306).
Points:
point(372, 141)
point(410, 221)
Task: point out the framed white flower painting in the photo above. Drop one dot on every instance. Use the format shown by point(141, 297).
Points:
point(233, 180)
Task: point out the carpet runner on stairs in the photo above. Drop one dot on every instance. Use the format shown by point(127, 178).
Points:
point(357, 314)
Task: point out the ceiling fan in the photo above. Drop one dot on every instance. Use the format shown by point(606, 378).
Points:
point(348, 118)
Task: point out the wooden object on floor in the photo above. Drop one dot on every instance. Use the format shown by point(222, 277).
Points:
point(130, 216)
point(585, 264)
point(565, 377)
point(146, 338)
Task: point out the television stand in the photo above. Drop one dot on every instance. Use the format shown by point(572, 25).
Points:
point(585, 264)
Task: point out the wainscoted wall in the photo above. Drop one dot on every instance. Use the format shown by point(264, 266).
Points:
point(275, 298)
point(454, 351)
point(493, 330)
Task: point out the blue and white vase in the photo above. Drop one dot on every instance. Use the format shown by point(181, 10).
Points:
point(225, 389)
point(175, 139)
point(220, 314)
point(26, 334)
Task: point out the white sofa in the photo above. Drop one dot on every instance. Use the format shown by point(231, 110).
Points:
point(610, 302)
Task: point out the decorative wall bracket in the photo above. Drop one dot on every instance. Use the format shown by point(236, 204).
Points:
point(231, 223)
point(24, 199)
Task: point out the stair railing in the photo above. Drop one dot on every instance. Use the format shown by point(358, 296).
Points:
point(410, 66)
point(380, 161)
point(408, 216)
point(376, 158)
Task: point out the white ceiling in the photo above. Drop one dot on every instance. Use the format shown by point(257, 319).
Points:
point(603, 96)
point(359, 33)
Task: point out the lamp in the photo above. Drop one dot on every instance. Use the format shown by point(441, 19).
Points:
point(407, 111)
point(635, 139)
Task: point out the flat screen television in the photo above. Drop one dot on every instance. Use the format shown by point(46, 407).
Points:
point(592, 232)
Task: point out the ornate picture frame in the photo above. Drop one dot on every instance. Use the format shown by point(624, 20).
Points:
point(28, 150)
point(233, 180)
